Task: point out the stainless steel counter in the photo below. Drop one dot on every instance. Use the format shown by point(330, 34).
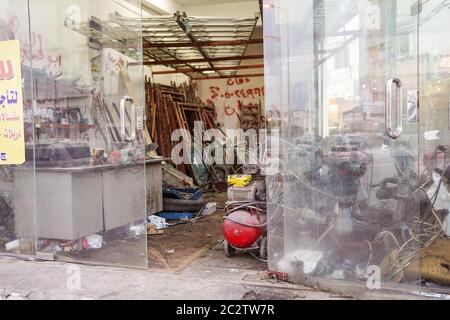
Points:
point(75, 202)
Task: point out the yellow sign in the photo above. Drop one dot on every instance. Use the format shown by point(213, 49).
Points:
point(12, 140)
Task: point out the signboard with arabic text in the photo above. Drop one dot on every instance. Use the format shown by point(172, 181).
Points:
point(12, 141)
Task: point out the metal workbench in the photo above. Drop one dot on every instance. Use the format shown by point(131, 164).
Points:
point(75, 202)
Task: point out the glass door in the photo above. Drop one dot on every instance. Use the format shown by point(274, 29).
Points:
point(17, 184)
point(90, 153)
point(343, 92)
point(434, 85)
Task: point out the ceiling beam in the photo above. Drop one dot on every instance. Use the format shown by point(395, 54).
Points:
point(188, 70)
point(218, 59)
point(183, 24)
point(228, 77)
point(198, 44)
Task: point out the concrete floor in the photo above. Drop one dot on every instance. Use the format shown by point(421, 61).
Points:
point(211, 277)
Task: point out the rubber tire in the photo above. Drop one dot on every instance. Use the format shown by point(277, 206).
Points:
point(230, 252)
point(180, 205)
point(263, 248)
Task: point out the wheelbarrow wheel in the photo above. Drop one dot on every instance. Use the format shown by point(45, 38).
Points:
point(263, 248)
point(229, 250)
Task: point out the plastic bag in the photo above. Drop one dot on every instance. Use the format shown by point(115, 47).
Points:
point(159, 222)
point(93, 241)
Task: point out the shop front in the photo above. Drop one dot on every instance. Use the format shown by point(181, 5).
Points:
point(357, 100)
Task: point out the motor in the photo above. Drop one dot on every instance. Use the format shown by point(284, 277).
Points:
point(244, 229)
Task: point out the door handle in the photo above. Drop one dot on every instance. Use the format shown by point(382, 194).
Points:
point(394, 134)
point(123, 132)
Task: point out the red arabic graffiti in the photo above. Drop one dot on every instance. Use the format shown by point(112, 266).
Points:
point(239, 93)
point(114, 64)
point(32, 49)
point(237, 81)
point(6, 70)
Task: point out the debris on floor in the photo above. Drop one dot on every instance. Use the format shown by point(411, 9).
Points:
point(172, 177)
point(93, 241)
point(152, 230)
point(210, 208)
point(201, 234)
point(158, 222)
point(434, 264)
point(51, 246)
point(137, 231)
point(23, 246)
point(177, 215)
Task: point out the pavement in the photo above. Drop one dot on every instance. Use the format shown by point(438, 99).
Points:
point(213, 276)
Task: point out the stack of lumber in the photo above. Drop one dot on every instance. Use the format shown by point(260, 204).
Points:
point(173, 107)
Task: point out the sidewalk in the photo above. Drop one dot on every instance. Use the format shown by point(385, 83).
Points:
point(211, 277)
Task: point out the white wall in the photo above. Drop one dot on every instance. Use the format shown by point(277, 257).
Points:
point(234, 9)
point(163, 7)
point(167, 79)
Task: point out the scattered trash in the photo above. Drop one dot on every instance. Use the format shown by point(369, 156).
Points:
point(159, 222)
point(174, 177)
point(307, 258)
point(209, 209)
point(172, 251)
point(19, 246)
point(151, 230)
point(138, 230)
point(94, 241)
point(433, 265)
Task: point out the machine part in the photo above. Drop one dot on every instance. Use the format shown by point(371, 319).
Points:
point(218, 177)
point(261, 194)
point(263, 251)
point(229, 250)
point(247, 193)
point(250, 169)
point(242, 228)
point(220, 172)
